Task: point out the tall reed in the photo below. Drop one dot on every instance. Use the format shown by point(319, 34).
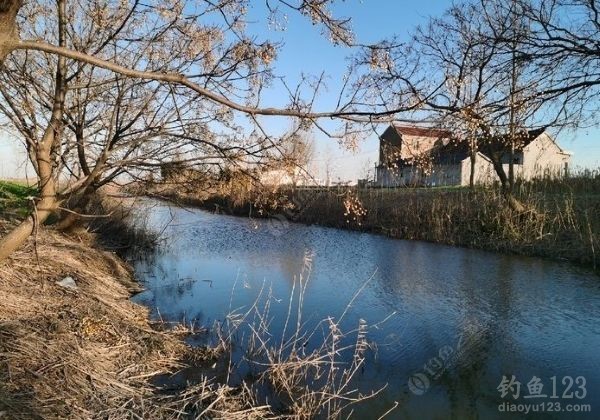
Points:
point(308, 371)
point(561, 221)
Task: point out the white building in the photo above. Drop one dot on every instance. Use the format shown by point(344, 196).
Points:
point(417, 156)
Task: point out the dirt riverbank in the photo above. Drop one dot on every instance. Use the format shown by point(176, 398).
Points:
point(561, 220)
point(73, 345)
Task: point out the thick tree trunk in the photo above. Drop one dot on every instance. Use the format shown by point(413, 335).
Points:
point(78, 205)
point(17, 237)
point(472, 174)
point(511, 166)
point(497, 163)
point(9, 243)
point(8, 16)
point(514, 203)
point(48, 199)
point(506, 185)
point(43, 208)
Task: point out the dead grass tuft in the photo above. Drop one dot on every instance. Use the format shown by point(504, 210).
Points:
point(90, 352)
point(310, 371)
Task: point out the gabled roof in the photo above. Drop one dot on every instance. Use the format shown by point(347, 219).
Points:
point(415, 140)
point(444, 148)
point(421, 131)
point(455, 151)
point(560, 149)
point(501, 143)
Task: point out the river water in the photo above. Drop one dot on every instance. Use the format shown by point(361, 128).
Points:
point(456, 320)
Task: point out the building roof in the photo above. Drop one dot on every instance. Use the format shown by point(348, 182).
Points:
point(421, 131)
point(455, 151)
point(501, 143)
point(444, 148)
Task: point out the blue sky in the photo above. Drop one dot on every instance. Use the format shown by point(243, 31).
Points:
point(305, 50)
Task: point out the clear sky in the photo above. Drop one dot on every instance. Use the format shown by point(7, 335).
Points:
point(305, 50)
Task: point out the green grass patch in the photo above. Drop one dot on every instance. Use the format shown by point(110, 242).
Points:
point(14, 199)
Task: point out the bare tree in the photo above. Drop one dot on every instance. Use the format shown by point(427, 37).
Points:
point(189, 77)
point(563, 41)
point(98, 89)
point(114, 125)
point(471, 71)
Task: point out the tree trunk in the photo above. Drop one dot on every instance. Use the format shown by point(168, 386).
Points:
point(497, 163)
point(43, 208)
point(17, 237)
point(473, 162)
point(48, 199)
point(514, 203)
point(12, 241)
point(8, 16)
point(507, 190)
point(511, 164)
point(78, 204)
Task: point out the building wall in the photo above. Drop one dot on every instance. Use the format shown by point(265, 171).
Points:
point(395, 177)
point(484, 171)
point(542, 158)
point(445, 175)
point(389, 141)
point(389, 177)
point(442, 175)
point(414, 146)
point(404, 147)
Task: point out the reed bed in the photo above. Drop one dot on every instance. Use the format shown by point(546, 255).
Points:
point(309, 370)
point(91, 352)
point(561, 221)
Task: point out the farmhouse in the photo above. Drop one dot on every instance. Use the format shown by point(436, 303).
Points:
point(422, 156)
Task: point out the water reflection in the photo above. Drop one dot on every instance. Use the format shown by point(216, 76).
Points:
point(500, 315)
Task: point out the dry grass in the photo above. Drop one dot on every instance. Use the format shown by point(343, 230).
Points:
point(562, 220)
point(310, 371)
point(124, 231)
point(90, 353)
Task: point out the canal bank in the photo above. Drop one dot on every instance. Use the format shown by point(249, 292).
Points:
point(74, 345)
point(395, 305)
point(561, 220)
point(439, 326)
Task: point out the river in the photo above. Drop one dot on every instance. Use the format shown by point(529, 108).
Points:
point(446, 324)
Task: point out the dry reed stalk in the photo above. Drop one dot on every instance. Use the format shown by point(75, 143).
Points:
point(311, 370)
point(554, 224)
point(91, 352)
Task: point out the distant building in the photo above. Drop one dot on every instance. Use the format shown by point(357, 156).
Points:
point(288, 177)
point(418, 156)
